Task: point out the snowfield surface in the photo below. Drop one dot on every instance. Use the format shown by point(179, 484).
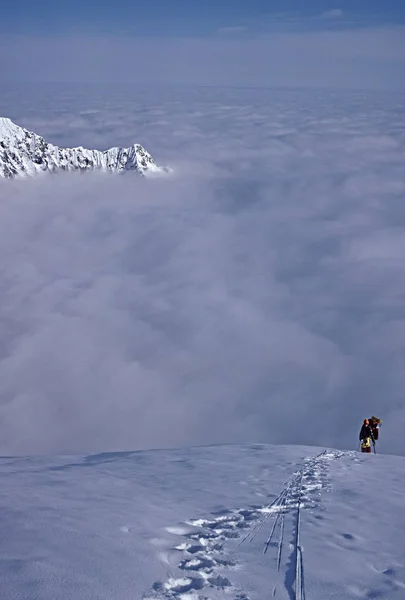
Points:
point(226, 522)
point(23, 152)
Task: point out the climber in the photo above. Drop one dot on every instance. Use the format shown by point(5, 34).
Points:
point(366, 436)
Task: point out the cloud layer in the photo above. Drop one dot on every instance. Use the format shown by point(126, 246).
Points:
point(258, 294)
point(352, 57)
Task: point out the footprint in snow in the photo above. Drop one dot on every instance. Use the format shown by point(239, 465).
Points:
point(202, 563)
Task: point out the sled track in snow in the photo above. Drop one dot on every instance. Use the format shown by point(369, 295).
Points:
point(200, 566)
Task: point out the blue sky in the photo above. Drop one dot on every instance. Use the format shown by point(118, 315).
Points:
point(194, 18)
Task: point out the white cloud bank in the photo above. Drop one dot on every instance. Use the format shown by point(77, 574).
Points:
point(352, 58)
point(257, 295)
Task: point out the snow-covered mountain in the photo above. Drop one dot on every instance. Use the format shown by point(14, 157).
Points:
point(233, 522)
point(23, 152)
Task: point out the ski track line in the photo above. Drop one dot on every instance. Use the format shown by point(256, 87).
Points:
point(279, 552)
point(268, 511)
point(202, 563)
point(299, 576)
point(310, 478)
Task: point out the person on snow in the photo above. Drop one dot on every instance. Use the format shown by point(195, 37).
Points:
point(375, 426)
point(366, 436)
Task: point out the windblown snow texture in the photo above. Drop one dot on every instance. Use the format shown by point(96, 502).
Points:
point(23, 152)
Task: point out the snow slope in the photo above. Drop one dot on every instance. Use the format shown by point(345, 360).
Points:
point(230, 522)
point(23, 152)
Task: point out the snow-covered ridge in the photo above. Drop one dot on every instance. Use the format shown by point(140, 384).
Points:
point(235, 522)
point(23, 152)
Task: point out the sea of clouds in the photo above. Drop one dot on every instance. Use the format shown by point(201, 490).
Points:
point(256, 294)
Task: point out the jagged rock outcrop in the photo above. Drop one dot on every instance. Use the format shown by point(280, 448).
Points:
point(23, 152)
